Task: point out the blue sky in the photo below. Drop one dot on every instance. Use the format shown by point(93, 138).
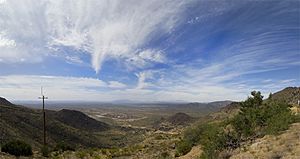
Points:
point(193, 50)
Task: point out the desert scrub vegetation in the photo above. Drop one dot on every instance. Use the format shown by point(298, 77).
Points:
point(45, 151)
point(59, 148)
point(62, 146)
point(183, 147)
point(256, 118)
point(17, 148)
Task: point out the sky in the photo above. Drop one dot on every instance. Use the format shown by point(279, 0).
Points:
point(148, 50)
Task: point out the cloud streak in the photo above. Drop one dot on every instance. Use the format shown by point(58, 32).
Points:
point(103, 29)
point(27, 87)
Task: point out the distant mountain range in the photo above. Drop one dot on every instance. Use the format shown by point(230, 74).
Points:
point(203, 108)
point(87, 104)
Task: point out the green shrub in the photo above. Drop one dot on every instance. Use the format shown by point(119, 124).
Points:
point(279, 118)
point(245, 124)
point(296, 118)
point(45, 151)
point(209, 135)
point(17, 148)
point(213, 140)
point(165, 155)
point(192, 135)
point(62, 146)
point(81, 154)
point(183, 147)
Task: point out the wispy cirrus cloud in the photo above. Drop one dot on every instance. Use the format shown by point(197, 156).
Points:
point(116, 85)
point(103, 29)
point(57, 87)
point(74, 60)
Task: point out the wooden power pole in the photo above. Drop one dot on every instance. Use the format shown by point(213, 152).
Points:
point(44, 116)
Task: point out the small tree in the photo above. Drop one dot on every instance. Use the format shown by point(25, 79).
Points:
point(250, 116)
point(257, 118)
point(270, 96)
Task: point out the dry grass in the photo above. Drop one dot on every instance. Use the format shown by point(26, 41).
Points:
point(193, 154)
point(285, 146)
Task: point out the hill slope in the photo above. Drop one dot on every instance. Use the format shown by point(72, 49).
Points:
point(79, 120)
point(72, 127)
point(180, 119)
point(3, 101)
point(289, 94)
point(285, 145)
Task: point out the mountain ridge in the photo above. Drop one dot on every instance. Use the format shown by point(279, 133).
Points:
point(24, 123)
point(4, 101)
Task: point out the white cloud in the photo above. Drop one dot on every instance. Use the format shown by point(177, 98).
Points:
point(49, 81)
point(142, 79)
point(74, 60)
point(116, 85)
point(4, 42)
point(146, 58)
point(2, 1)
point(56, 87)
point(104, 29)
point(27, 87)
point(152, 55)
point(287, 81)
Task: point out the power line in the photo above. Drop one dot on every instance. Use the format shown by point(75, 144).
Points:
point(44, 116)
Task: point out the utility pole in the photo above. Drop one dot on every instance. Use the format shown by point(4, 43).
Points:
point(44, 116)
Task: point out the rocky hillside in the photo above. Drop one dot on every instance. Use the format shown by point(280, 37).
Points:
point(285, 145)
point(3, 101)
point(226, 112)
point(289, 94)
